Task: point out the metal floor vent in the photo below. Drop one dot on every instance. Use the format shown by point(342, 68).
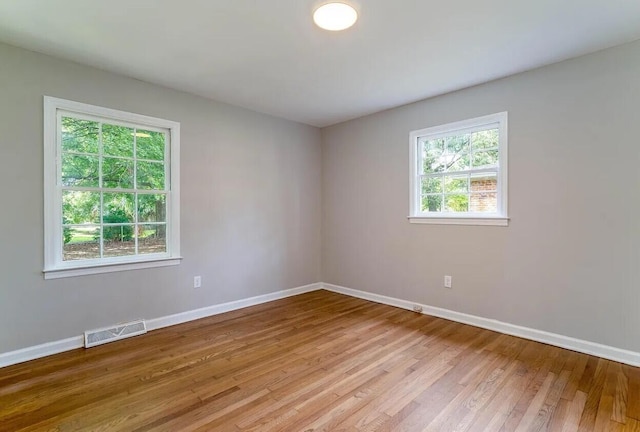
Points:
point(110, 334)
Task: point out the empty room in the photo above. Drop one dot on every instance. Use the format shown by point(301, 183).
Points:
point(306, 215)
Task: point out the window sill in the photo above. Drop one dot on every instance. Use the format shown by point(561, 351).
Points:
point(486, 221)
point(57, 273)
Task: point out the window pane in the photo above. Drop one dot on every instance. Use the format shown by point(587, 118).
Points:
point(485, 139)
point(119, 240)
point(432, 185)
point(117, 140)
point(484, 202)
point(150, 175)
point(457, 162)
point(152, 239)
point(432, 160)
point(117, 173)
point(152, 208)
point(487, 158)
point(79, 135)
point(432, 203)
point(457, 144)
point(433, 147)
point(456, 203)
point(80, 207)
point(453, 184)
point(80, 243)
point(118, 208)
point(80, 171)
point(150, 145)
point(484, 182)
point(433, 165)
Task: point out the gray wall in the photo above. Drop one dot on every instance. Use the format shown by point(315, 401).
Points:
point(569, 261)
point(251, 205)
point(250, 192)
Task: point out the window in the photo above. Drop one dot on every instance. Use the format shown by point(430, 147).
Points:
point(459, 172)
point(111, 190)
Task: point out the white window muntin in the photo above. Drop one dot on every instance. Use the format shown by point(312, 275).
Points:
point(55, 267)
point(493, 121)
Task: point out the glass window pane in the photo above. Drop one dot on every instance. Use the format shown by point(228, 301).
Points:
point(152, 208)
point(80, 207)
point(454, 184)
point(487, 182)
point(80, 171)
point(152, 239)
point(80, 243)
point(118, 208)
point(488, 158)
point(432, 160)
point(79, 135)
point(457, 144)
point(117, 233)
point(150, 175)
point(456, 203)
point(432, 185)
point(117, 173)
point(457, 162)
point(150, 145)
point(484, 202)
point(434, 147)
point(432, 203)
point(119, 240)
point(485, 139)
point(433, 165)
point(117, 140)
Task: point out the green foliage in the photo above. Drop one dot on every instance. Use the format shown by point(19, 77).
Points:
point(150, 145)
point(80, 136)
point(457, 203)
point(444, 188)
point(117, 173)
point(96, 154)
point(443, 154)
point(432, 203)
point(66, 232)
point(80, 170)
point(118, 232)
point(483, 140)
point(117, 140)
point(82, 165)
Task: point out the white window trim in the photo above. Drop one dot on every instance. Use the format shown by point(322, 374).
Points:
point(54, 266)
point(499, 218)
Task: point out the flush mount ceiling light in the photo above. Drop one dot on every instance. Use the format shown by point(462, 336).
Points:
point(335, 16)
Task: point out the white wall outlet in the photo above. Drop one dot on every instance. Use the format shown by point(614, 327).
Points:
point(447, 281)
point(197, 281)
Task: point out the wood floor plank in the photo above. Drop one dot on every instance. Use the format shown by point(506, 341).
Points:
point(574, 413)
point(320, 362)
point(633, 402)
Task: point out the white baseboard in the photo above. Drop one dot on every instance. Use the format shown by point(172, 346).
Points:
point(179, 318)
point(56, 347)
point(608, 352)
point(616, 354)
point(42, 350)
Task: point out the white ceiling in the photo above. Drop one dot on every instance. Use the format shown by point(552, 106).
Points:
point(267, 55)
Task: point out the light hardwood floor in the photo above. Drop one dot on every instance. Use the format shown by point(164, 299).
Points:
point(321, 362)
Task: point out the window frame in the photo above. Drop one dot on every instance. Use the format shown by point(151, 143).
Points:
point(54, 265)
point(498, 218)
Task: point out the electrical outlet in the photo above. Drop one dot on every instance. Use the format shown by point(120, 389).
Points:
point(447, 281)
point(197, 281)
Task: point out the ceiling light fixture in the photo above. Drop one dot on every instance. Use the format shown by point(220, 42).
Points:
point(335, 16)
